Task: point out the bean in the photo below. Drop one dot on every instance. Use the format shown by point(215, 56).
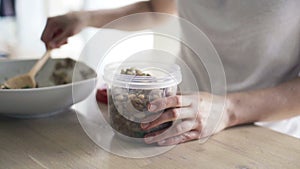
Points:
point(141, 96)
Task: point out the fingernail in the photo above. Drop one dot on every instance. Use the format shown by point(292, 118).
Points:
point(153, 107)
point(145, 125)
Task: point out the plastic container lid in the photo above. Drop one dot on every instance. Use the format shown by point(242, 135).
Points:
point(162, 75)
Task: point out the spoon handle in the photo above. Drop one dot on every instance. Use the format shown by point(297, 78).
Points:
point(39, 64)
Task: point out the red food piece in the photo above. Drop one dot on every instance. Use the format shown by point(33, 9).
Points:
point(101, 96)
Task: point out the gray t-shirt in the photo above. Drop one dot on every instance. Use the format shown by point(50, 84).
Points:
point(258, 41)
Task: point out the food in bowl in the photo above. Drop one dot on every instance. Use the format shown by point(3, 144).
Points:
point(50, 96)
point(2, 86)
point(132, 89)
point(60, 73)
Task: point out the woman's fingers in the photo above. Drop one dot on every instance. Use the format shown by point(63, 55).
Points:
point(170, 102)
point(60, 38)
point(59, 44)
point(177, 107)
point(193, 117)
point(49, 31)
point(176, 129)
point(57, 31)
point(171, 115)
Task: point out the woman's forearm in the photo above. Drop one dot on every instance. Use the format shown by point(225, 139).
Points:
point(59, 28)
point(276, 103)
point(99, 18)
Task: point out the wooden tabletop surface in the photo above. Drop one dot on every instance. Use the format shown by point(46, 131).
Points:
point(60, 142)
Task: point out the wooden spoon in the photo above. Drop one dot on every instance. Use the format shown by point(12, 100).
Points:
point(27, 80)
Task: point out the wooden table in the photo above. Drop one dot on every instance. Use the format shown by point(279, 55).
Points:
point(60, 142)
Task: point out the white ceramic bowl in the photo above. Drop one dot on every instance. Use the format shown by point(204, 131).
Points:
point(48, 98)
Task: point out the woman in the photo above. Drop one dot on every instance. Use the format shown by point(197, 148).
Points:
point(259, 45)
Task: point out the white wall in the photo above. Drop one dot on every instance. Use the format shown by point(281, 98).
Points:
point(23, 35)
point(31, 19)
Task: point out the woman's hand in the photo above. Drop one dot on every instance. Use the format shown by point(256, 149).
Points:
point(58, 29)
point(194, 116)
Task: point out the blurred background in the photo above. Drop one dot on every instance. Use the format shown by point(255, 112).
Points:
point(22, 23)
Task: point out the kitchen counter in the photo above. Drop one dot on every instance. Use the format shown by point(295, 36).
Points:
point(60, 142)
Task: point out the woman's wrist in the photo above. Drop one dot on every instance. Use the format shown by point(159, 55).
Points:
point(90, 18)
point(244, 107)
point(86, 18)
point(98, 18)
point(82, 17)
point(230, 110)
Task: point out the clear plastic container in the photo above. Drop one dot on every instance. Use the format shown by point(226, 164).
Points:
point(130, 95)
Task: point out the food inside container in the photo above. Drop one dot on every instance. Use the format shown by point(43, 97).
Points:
point(131, 87)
